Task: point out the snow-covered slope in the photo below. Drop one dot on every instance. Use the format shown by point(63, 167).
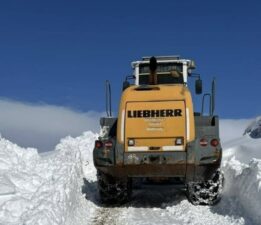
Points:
point(242, 168)
point(232, 129)
point(254, 128)
point(36, 189)
point(50, 189)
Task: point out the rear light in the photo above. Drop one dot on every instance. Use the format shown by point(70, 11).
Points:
point(214, 142)
point(203, 142)
point(98, 144)
point(108, 144)
point(131, 142)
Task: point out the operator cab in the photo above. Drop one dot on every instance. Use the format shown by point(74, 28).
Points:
point(169, 70)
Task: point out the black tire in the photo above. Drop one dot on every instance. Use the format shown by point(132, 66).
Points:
point(113, 190)
point(208, 192)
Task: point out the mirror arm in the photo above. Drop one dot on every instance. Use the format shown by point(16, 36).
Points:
point(194, 75)
point(130, 77)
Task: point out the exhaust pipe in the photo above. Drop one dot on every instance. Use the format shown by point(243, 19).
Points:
point(153, 80)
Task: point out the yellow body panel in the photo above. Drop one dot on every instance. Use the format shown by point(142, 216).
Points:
point(156, 117)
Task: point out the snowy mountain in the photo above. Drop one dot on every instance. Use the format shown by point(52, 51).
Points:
point(49, 189)
point(254, 128)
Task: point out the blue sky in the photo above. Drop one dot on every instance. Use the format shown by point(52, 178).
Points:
point(61, 52)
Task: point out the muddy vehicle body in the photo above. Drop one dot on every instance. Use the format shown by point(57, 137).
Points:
point(157, 134)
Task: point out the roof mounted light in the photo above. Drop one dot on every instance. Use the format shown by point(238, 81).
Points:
point(191, 65)
point(171, 57)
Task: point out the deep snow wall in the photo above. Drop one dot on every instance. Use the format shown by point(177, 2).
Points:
point(243, 182)
point(47, 189)
point(242, 168)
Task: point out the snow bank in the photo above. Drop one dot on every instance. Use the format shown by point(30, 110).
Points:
point(47, 189)
point(242, 168)
point(243, 182)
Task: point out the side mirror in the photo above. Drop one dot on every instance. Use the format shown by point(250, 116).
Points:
point(198, 86)
point(125, 85)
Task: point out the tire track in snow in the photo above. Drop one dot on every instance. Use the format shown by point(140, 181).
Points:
point(163, 206)
point(115, 215)
point(105, 216)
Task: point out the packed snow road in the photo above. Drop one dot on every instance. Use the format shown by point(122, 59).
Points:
point(49, 189)
point(168, 207)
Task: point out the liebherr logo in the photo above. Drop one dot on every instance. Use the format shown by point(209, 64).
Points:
point(154, 113)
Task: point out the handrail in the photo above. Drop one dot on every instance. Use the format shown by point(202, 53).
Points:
point(210, 104)
point(213, 95)
point(108, 98)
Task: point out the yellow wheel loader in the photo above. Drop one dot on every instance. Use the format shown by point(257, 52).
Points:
point(158, 135)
